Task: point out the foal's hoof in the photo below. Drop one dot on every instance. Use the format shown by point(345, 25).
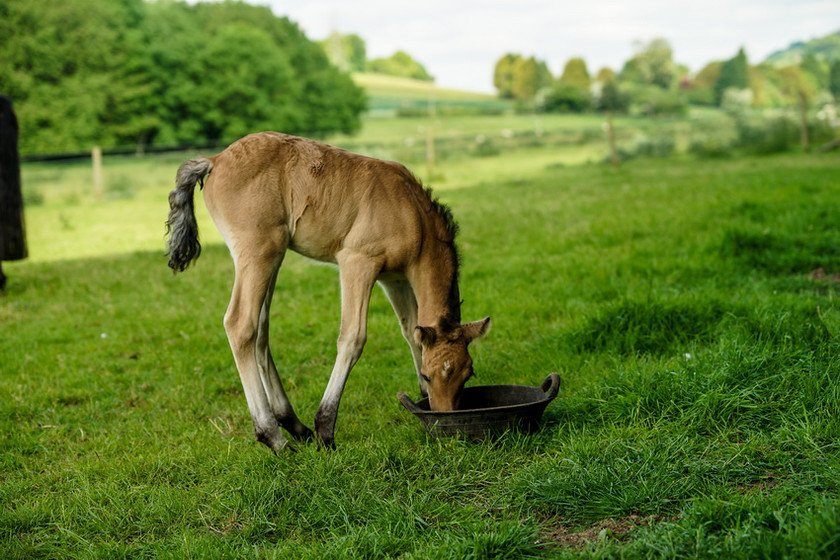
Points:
point(326, 441)
point(276, 442)
point(303, 434)
point(287, 447)
point(328, 445)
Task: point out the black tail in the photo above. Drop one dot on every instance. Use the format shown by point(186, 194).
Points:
point(183, 246)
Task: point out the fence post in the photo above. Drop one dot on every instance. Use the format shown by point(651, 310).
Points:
point(96, 158)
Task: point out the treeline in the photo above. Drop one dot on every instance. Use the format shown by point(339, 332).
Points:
point(652, 83)
point(130, 72)
point(349, 53)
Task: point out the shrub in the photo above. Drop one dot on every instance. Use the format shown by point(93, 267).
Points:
point(711, 147)
point(767, 137)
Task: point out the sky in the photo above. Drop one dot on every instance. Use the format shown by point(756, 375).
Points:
point(460, 41)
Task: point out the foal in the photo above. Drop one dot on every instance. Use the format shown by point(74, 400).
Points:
point(270, 192)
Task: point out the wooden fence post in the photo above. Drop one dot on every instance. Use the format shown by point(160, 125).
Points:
point(96, 158)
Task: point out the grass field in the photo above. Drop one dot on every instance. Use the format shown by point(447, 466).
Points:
point(690, 307)
point(389, 94)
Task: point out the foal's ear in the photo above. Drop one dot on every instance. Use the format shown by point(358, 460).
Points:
point(425, 336)
point(476, 329)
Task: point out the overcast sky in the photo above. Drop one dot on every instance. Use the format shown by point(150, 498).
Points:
point(459, 41)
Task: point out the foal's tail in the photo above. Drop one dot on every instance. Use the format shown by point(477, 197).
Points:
point(183, 246)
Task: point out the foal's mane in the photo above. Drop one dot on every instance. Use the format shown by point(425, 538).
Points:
point(450, 226)
point(447, 230)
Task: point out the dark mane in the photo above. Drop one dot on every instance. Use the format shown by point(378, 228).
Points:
point(450, 229)
point(447, 230)
point(442, 210)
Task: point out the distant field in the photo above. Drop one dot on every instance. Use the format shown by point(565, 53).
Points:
point(389, 94)
point(65, 221)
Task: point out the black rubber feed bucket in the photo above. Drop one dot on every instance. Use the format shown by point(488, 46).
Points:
point(488, 410)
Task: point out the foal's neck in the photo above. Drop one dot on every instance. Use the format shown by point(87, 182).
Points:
point(435, 284)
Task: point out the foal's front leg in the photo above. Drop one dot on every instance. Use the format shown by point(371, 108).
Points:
point(358, 275)
point(402, 298)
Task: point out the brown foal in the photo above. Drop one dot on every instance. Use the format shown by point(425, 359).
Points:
point(270, 192)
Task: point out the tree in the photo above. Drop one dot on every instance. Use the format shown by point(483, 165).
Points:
point(402, 65)
point(254, 82)
point(516, 77)
point(67, 66)
point(612, 100)
point(576, 74)
point(605, 75)
point(564, 98)
point(571, 92)
point(525, 79)
point(834, 79)
point(347, 52)
point(504, 75)
point(701, 90)
point(116, 72)
point(734, 73)
point(799, 91)
point(652, 64)
point(815, 70)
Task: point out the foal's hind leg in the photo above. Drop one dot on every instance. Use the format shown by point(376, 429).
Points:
point(247, 330)
point(277, 399)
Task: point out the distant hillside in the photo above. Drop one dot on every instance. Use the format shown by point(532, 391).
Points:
point(824, 48)
point(389, 95)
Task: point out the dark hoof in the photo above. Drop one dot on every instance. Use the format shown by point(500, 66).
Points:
point(285, 448)
point(274, 440)
point(328, 444)
point(304, 434)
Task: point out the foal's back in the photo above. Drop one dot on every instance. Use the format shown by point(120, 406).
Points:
point(321, 198)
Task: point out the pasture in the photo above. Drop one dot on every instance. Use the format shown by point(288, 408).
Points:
point(690, 307)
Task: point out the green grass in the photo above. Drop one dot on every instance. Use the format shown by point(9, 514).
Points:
point(699, 414)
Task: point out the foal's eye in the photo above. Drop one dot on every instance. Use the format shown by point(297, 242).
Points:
point(426, 378)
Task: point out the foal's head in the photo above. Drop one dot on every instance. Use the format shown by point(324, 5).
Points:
point(446, 361)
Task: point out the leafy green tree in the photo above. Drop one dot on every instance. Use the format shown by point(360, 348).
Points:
point(815, 70)
point(652, 64)
point(67, 65)
point(734, 73)
point(701, 88)
point(611, 101)
point(516, 77)
point(799, 91)
point(322, 98)
point(116, 72)
point(794, 84)
point(565, 98)
point(525, 79)
point(254, 83)
point(504, 75)
point(834, 79)
point(347, 52)
point(571, 93)
point(544, 77)
point(576, 74)
point(400, 64)
point(605, 75)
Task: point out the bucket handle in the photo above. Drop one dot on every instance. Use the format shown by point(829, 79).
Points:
point(408, 403)
point(551, 386)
